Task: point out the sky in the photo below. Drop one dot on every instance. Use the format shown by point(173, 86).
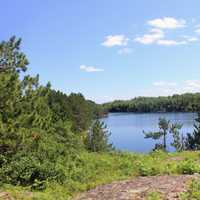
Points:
point(109, 49)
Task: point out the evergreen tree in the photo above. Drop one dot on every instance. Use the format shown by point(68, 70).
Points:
point(12, 62)
point(11, 58)
point(164, 126)
point(178, 139)
point(193, 140)
point(80, 114)
point(97, 138)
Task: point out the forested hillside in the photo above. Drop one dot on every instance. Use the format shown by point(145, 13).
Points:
point(41, 129)
point(177, 103)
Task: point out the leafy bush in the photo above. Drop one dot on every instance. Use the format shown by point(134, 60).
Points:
point(188, 167)
point(146, 170)
point(28, 170)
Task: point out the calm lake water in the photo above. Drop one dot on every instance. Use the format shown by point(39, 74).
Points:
point(127, 128)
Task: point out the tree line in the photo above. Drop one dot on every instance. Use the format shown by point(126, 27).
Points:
point(188, 102)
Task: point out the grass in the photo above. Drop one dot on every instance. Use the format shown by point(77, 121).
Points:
point(92, 169)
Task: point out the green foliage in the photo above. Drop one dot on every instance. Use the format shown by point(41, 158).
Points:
point(178, 140)
point(74, 108)
point(80, 113)
point(146, 170)
point(87, 170)
point(188, 102)
point(165, 127)
point(27, 170)
point(188, 166)
point(193, 191)
point(97, 138)
point(193, 140)
point(39, 128)
point(11, 58)
point(153, 196)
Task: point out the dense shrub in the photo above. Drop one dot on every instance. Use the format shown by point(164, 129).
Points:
point(188, 166)
point(27, 170)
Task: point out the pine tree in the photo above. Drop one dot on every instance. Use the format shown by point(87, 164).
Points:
point(178, 139)
point(193, 140)
point(12, 62)
point(164, 126)
point(97, 138)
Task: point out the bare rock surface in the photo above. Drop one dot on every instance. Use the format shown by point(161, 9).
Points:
point(5, 196)
point(137, 189)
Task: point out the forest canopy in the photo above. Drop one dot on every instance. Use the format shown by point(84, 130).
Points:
point(189, 102)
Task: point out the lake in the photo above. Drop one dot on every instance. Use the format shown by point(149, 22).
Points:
point(127, 128)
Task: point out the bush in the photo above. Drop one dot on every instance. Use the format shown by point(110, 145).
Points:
point(146, 170)
point(188, 167)
point(30, 171)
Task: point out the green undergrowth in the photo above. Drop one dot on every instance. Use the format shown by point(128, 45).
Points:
point(91, 169)
point(193, 191)
point(153, 196)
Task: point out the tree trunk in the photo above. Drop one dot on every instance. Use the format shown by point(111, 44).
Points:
point(164, 141)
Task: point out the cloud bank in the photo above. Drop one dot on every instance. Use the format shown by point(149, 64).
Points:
point(167, 23)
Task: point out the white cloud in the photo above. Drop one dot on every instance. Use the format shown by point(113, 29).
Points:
point(115, 40)
point(156, 36)
point(164, 83)
point(108, 98)
point(152, 37)
point(90, 69)
point(170, 42)
point(164, 88)
point(192, 84)
point(193, 39)
point(167, 23)
point(125, 51)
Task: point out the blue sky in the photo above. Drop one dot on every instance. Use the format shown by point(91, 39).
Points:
point(109, 49)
